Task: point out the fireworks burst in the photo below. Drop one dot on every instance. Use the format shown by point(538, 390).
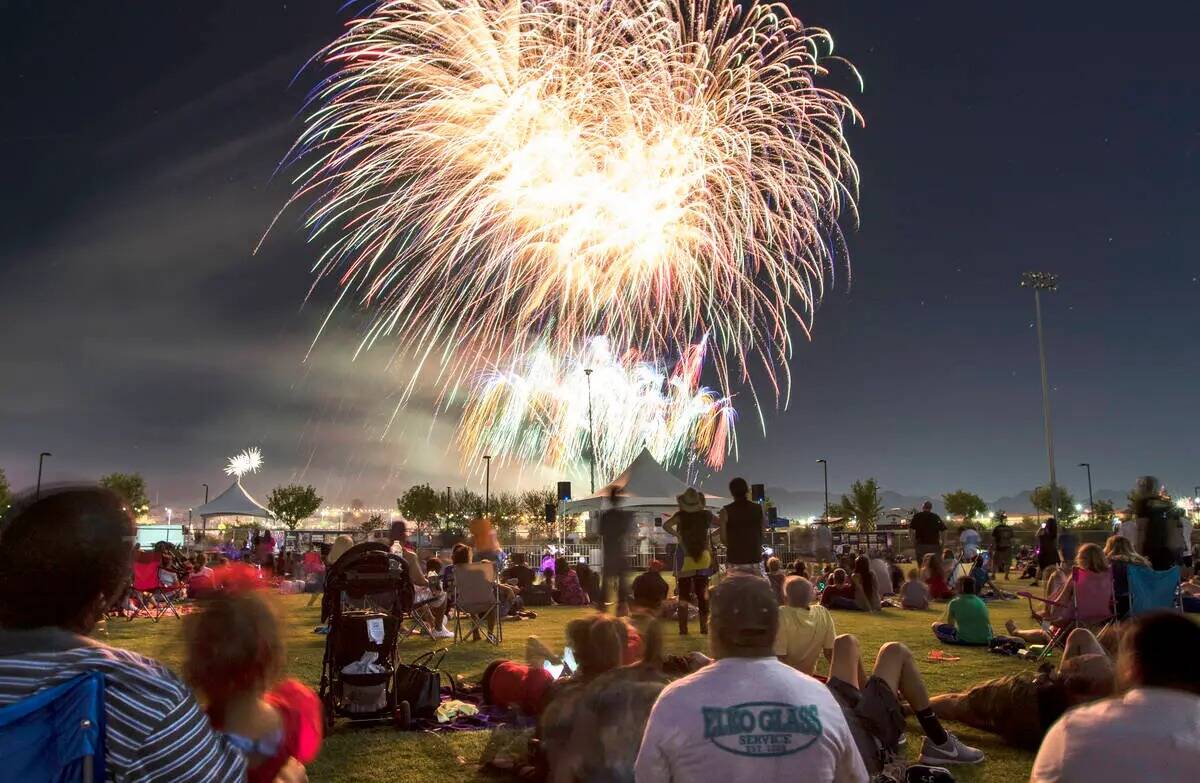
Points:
point(249, 461)
point(537, 411)
point(492, 177)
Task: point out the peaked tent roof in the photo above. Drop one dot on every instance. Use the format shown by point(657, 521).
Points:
point(234, 502)
point(645, 485)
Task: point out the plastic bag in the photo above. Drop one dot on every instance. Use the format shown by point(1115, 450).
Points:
point(365, 665)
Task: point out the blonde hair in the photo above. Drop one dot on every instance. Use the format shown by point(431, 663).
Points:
point(799, 591)
point(1091, 558)
point(1121, 548)
point(774, 564)
point(340, 547)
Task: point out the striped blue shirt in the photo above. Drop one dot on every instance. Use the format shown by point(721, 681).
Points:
point(155, 729)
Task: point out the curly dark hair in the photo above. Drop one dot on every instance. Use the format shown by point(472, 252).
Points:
point(62, 554)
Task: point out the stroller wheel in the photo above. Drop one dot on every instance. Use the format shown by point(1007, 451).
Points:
point(402, 716)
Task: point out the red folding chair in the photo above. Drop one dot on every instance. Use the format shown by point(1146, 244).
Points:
point(1092, 604)
point(148, 594)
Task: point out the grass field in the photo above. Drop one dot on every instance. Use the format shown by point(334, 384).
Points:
point(383, 754)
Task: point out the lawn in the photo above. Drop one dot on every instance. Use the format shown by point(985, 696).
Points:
point(383, 754)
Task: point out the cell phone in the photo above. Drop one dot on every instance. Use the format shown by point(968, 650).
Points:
point(568, 658)
point(555, 671)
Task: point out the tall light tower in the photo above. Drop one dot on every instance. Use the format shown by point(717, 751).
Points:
point(825, 467)
point(591, 433)
point(1039, 282)
point(1091, 498)
point(487, 487)
point(41, 457)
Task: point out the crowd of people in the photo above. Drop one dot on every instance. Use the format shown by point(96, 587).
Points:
point(773, 692)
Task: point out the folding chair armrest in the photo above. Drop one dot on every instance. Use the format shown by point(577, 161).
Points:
point(1032, 597)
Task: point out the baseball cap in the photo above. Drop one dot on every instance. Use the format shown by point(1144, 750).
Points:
point(745, 612)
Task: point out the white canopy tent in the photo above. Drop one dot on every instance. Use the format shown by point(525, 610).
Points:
point(644, 486)
point(233, 502)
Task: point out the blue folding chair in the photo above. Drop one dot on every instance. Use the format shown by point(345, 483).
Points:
point(1150, 590)
point(57, 734)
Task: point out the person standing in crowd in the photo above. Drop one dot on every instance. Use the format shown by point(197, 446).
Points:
point(1159, 529)
point(1152, 731)
point(1002, 541)
point(615, 524)
point(691, 525)
point(64, 559)
point(1047, 556)
point(926, 528)
point(701, 725)
point(741, 525)
point(805, 631)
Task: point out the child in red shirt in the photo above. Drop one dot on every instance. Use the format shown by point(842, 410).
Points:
point(235, 655)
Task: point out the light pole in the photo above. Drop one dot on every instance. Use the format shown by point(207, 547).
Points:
point(591, 432)
point(205, 492)
point(825, 466)
point(487, 487)
point(37, 493)
point(1044, 281)
point(1091, 500)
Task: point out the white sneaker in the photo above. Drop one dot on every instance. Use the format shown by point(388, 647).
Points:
point(953, 752)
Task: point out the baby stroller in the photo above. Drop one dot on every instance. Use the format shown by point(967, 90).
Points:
point(367, 593)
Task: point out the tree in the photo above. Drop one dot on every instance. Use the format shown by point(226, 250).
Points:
point(862, 504)
point(293, 503)
point(132, 488)
point(506, 514)
point(420, 504)
point(961, 503)
point(533, 509)
point(5, 492)
point(1040, 497)
point(1102, 516)
point(373, 522)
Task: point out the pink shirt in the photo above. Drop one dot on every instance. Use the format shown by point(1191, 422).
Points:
point(1147, 734)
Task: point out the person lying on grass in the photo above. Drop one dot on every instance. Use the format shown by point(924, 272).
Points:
point(873, 711)
point(1021, 707)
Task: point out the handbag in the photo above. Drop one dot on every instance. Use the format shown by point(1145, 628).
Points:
point(420, 683)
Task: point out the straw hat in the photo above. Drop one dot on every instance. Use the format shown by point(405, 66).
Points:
point(691, 500)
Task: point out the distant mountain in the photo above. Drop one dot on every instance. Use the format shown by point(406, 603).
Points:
point(804, 503)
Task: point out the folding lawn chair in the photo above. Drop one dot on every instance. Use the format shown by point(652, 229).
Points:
point(1150, 590)
point(477, 600)
point(148, 593)
point(1092, 606)
point(56, 734)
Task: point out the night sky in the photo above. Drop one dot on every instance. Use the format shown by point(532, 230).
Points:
point(138, 331)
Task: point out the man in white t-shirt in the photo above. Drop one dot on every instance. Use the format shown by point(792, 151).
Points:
point(747, 716)
point(1152, 732)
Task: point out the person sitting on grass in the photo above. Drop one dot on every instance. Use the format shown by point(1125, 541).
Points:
point(1151, 731)
point(776, 577)
point(517, 571)
point(874, 713)
point(650, 590)
point(950, 566)
point(1020, 708)
point(567, 587)
point(235, 657)
point(838, 593)
point(799, 568)
point(702, 726)
point(933, 572)
point(65, 558)
point(966, 620)
point(866, 589)
point(914, 594)
point(805, 631)
point(1088, 557)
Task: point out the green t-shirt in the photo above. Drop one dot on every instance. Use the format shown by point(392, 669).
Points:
point(970, 616)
